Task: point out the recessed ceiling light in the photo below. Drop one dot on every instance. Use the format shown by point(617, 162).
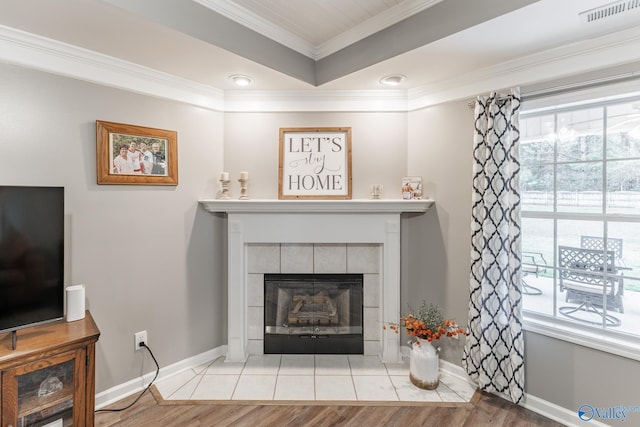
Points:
point(393, 80)
point(240, 80)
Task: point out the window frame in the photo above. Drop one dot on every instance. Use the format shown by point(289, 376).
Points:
point(553, 325)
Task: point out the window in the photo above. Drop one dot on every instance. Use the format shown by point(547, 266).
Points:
point(580, 186)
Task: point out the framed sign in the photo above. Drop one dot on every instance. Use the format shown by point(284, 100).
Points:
point(315, 163)
point(128, 154)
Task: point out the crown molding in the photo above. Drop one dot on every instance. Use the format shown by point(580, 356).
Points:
point(315, 101)
point(32, 51)
point(245, 17)
point(29, 50)
point(260, 25)
point(602, 52)
point(373, 25)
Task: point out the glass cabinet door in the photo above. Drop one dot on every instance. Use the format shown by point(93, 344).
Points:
point(45, 391)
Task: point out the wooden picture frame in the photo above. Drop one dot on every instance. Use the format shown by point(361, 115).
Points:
point(135, 155)
point(315, 163)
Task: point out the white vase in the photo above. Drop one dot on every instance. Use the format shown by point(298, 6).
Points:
point(424, 365)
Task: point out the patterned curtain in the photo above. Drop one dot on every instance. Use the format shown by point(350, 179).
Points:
point(494, 350)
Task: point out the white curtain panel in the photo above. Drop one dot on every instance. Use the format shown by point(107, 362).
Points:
point(494, 349)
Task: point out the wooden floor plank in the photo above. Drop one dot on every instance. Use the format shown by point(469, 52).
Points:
point(484, 410)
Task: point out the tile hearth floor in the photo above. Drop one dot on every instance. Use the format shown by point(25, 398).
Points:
point(310, 378)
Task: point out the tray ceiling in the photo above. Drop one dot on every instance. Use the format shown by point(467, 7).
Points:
point(294, 45)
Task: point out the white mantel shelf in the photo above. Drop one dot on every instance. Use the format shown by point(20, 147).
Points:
point(315, 206)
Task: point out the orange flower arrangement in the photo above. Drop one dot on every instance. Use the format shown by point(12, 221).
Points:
point(427, 323)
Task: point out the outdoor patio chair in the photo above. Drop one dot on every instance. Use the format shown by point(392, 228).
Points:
point(613, 244)
point(591, 280)
point(532, 263)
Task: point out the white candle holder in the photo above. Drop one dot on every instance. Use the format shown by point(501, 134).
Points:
point(224, 195)
point(243, 189)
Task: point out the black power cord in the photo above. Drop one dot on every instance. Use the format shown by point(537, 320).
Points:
point(142, 344)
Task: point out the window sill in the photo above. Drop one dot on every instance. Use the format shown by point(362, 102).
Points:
point(612, 342)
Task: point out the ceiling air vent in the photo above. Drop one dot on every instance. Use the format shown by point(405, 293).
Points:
point(621, 7)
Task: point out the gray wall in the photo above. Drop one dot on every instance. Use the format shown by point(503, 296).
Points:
point(149, 256)
point(438, 243)
point(570, 375)
point(379, 150)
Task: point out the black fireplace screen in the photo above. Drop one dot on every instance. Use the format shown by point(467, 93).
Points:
point(313, 314)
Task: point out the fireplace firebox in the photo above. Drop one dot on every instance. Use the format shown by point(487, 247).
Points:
point(313, 314)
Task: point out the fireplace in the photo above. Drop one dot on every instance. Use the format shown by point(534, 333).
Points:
point(313, 314)
point(271, 227)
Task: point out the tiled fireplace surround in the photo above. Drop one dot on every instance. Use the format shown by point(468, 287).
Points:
point(313, 236)
point(313, 258)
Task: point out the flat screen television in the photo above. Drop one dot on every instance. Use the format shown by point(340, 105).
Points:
point(31, 256)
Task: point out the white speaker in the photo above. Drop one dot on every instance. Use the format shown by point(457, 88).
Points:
point(75, 302)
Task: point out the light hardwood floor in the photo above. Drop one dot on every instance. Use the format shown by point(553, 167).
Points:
point(484, 410)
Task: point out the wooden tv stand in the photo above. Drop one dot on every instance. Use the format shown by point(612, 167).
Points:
point(50, 376)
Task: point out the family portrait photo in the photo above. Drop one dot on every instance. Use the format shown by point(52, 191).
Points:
point(128, 154)
point(138, 155)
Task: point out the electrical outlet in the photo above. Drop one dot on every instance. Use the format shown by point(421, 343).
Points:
point(139, 337)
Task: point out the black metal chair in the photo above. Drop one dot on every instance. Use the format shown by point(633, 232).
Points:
point(532, 263)
point(591, 280)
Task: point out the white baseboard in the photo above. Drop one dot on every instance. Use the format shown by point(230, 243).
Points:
point(555, 412)
point(550, 410)
point(123, 390)
point(453, 369)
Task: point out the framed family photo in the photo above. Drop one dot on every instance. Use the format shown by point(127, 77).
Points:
point(315, 163)
point(128, 154)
